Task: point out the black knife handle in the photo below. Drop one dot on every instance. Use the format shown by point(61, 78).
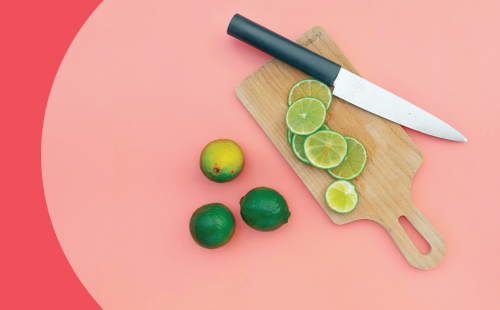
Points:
point(283, 49)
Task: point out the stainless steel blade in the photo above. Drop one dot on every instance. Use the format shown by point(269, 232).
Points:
point(377, 100)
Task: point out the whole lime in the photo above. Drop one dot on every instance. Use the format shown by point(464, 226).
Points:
point(212, 225)
point(222, 160)
point(264, 209)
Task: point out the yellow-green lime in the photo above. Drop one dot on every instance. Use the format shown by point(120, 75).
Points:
point(222, 160)
point(341, 196)
point(325, 127)
point(305, 116)
point(289, 135)
point(325, 149)
point(310, 88)
point(354, 162)
point(298, 148)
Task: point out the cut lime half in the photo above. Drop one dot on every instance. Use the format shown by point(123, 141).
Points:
point(298, 148)
point(310, 88)
point(305, 116)
point(354, 162)
point(325, 149)
point(341, 196)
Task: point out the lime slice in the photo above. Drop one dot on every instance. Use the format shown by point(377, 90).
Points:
point(289, 134)
point(298, 145)
point(354, 162)
point(305, 116)
point(298, 148)
point(311, 88)
point(326, 149)
point(341, 196)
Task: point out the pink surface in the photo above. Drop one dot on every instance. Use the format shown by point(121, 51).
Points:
point(146, 84)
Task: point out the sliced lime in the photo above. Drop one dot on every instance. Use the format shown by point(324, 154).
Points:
point(305, 116)
point(298, 148)
point(289, 136)
point(341, 196)
point(310, 88)
point(325, 149)
point(298, 145)
point(354, 162)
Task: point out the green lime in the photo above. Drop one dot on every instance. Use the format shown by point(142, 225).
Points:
point(289, 135)
point(325, 149)
point(222, 160)
point(305, 116)
point(264, 209)
point(298, 148)
point(310, 88)
point(341, 196)
point(325, 127)
point(354, 163)
point(212, 225)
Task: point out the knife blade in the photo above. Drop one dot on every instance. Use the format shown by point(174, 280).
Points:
point(346, 85)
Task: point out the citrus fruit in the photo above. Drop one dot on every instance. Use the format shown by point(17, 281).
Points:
point(310, 88)
point(325, 149)
point(305, 116)
point(264, 209)
point(222, 160)
point(341, 196)
point(353, 164)
point(298, 148)
point(289, 135)
point(212, 225)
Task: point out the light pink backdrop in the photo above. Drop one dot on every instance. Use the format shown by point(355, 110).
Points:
point(146, 84)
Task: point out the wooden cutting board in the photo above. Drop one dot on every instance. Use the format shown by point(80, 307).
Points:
point(393, 158)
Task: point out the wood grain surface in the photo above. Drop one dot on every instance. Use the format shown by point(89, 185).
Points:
point(393, 158)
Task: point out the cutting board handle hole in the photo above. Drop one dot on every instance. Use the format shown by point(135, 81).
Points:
point(420, 243)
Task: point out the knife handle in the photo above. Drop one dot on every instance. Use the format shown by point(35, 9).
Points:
point(283, 49)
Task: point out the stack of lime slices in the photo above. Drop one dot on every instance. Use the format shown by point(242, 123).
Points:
point(314, 143)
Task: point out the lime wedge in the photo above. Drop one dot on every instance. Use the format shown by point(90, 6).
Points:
point(341, 196)
point(354, 162)
point(325, 127)
point(305, 116)
point(298, 148)
point(311, 88)
point(325, 149)
point(289, 136)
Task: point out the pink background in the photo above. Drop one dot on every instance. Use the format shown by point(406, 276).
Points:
point(35, 36)
point(146, 84)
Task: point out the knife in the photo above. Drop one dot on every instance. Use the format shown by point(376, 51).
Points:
point(346, 85)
